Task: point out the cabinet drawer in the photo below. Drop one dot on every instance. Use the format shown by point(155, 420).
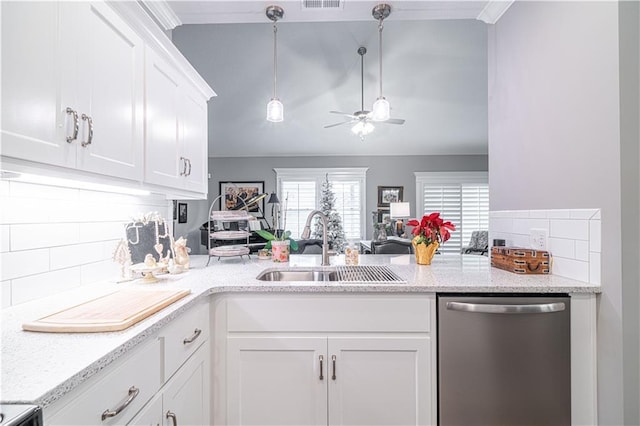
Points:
point(330, 313)
point(108, 391)
point(183, 336)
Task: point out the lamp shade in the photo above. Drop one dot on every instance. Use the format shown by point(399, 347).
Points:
point(381, 110)
point(273, 199)
point(400, 210)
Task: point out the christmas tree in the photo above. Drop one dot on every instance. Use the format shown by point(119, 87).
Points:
point(335, 233)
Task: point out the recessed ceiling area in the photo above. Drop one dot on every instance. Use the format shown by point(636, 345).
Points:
point(434, 76)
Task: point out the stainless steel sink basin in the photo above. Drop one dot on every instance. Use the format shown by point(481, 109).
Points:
point(298, 275)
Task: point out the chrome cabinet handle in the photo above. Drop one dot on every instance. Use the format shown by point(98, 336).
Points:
point(133, 392)
point(189, 172)
point(541, 308)
point(183, 161)
point(194, 336)
point(321, 368)
point(172, 416)
point(76, 125)
point(333, 362)
point(88, 119)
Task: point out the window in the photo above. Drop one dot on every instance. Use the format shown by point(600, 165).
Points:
point(303, 188)
point(460, 197)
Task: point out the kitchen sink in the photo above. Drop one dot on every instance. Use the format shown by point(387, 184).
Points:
point(344, 274)
point(306, 274)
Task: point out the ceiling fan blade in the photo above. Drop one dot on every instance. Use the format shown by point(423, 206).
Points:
point(337, 124)
point(394, 121)
point(342, 113)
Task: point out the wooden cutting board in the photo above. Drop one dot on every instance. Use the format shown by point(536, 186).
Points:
point(112, 312)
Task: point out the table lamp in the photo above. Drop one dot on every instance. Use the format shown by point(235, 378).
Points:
point(400, 211)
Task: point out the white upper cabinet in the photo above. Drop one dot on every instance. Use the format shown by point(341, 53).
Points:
point(176, 128)
point(72, 87)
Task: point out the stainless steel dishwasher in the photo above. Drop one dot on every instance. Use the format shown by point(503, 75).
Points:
point(504, 360)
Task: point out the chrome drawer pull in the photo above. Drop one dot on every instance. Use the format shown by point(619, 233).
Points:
point(88, 119)
point(195, 335)
point(189, 172)
point(76, 125)
point(133, 392)
point(173, 418)
point(183, 161)
point(321, 359)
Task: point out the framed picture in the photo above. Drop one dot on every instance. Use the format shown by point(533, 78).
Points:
point(182, 212)
point(389, 194)
point(236, 194)
point(383, 215)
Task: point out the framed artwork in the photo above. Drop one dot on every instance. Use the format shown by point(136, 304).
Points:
point(236, 194)
point(383, 215)
point(389, 194)
point(182, 212)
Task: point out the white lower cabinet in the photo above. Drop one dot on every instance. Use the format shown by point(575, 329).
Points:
point(184, 400)
point(351, 368)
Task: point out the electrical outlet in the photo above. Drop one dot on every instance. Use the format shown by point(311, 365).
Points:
point(538, 239)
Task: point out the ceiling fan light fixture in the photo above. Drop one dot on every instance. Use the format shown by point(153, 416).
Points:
point(275, 108)
point(381, 110)
point(275, 111)
point(362, 128)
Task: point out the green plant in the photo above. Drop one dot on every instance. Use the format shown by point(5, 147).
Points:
point(272, 237)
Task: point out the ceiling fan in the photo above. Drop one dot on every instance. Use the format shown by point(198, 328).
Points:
point(362, 120)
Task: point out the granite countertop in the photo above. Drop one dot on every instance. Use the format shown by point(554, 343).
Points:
point(40, 368)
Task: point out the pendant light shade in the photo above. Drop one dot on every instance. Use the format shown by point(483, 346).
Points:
point(275, 109)
point(381, 110)
point(362, 128)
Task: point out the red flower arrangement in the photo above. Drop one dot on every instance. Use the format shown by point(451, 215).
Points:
point(431, 229)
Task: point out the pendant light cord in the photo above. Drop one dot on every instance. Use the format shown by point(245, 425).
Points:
point(362, 82)
point(275, 58)
point(380, 55)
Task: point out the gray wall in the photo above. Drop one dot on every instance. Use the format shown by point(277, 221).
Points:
point(555, 141)
point(383, 171)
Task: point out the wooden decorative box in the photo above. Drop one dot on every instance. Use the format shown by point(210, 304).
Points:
point(521, 260)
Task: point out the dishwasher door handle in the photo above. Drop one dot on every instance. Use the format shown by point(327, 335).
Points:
point(538, 308)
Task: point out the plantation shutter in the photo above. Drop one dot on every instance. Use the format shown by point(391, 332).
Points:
point(461, 198)
point(299, 199)
point(348, 204)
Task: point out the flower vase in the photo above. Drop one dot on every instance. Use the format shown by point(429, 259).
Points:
point(280, 251)
point(424, 253)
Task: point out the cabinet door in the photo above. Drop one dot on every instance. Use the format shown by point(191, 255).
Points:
point(150, 415)
point(276, 381)
point(185, 398)
point(110, 81)
point(380, 381)
point(38, 57)
point(194, 140)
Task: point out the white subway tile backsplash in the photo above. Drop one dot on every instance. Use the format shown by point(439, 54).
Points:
point(524, 226)
point(558, 214)
point(42, 285)
point(499, 224)
point(582, 250)
point(598, 215)
point(583, 213)
point(573, 229)
point(595, 235)
point(42, 192)
point(4, 188)
point(101, 231)
point(21, 263)
point(77, 254)
point(570, 268)
point(594, 268)
point(5, 294)
point(21, 210)
point(560, 247)
point(5, 238)
point(538, 214)
point(107, 270)
point(33, 236)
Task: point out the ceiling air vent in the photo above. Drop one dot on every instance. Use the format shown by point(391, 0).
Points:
point(321, 4)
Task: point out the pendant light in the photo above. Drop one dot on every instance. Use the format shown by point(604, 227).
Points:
point(362, 127)
point(275, 109)
point(381, 110)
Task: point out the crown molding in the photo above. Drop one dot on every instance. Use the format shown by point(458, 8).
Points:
point(494, 10)
point(163, 13)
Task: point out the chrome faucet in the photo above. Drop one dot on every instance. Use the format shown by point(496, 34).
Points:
point(306, 233)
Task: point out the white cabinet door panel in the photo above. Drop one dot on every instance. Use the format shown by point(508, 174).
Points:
point(380, 381)
point(111, 71)
point(193, 127)
point(276, 381)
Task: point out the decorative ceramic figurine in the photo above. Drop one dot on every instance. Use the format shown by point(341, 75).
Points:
point(122, 255)
point(181, 253)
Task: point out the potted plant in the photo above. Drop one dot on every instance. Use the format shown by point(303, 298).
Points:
point(280, 243)
point(429, 233)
